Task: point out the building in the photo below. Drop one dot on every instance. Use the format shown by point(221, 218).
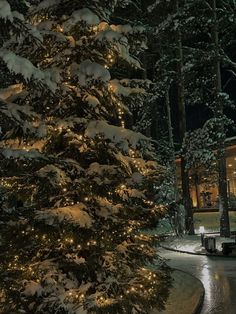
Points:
point(204, 185)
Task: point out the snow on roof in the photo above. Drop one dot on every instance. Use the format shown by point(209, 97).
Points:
point(123, 137)
point(74, 214)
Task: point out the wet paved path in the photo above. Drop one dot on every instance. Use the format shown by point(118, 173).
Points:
point(217, 274)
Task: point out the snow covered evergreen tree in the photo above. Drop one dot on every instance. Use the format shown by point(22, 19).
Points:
point(210, 46)
point(170, 28)
point(82, 187)
point(193, 65)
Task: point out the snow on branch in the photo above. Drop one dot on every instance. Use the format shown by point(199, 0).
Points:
point(74, 214)
point(55, 175)
point(120, 44)
point(33, 288)
point(21, 153)
point(45, 4)
point(124, 137)
point(22, 116)
point(110, 35)
point(20, 65)
point(17, 112)
point(11, 90)
point(227, 62)
point(119, 89)
point(128, 29)
point(90, 71)
point(96, 168)
point(7, 14)
point(107, 208)
point(85, 15)
point(5, 10)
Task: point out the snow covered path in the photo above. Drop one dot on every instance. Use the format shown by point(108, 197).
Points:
point(217, 274)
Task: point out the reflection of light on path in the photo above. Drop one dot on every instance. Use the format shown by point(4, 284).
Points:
point(218, 275)
point(217, 289)
point(206, 279)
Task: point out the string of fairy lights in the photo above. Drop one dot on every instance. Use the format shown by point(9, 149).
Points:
point(110, 60)
point(145, 286)
point(146, 289)
point(120, 190)
point(147, 277)
point(137, 163)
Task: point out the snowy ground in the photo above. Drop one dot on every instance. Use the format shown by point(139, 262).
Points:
point(192, 244)
point(185, 294)
point(210, 220)
point(217, 275)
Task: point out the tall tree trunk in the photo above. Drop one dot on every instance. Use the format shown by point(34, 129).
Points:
point(182, 130)
point(223, 199)
point(144, 77)
point(171, 142)
point(196, 183)
point(179, 214)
